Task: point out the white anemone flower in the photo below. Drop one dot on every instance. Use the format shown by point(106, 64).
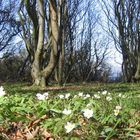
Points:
point(89, 105)
point(61, 96)
point(87, 96)
point(120, 95)
point(109, 93)
point(104, 92)
point(2, 92)
point(123, 96)
point(69, 127)
point(40, 96)
point(97, 96)
point(116, 112)
point(75, 96)
point(66, 111)
point(88, 113)
point(118, 107)
point(80, 94)
point(46, 94)
point(67, 95)
point(108, 98)
point(1, 88)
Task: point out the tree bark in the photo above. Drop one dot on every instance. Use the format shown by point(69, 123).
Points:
point(61, 23)
point(47, 71)
point(36, 65)
point(137, 74)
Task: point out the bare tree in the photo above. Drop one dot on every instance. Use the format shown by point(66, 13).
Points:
point(43, 34)
point(8, 24)
point(123, 17)
point(88, 52)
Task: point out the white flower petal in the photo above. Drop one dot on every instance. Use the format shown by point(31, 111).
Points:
point(69, 127)
point(46, 94)
point(40, 96)
point(75, 96)
point(120, 95)
point(118, 107)
point(2, 92)
point(66, 111)
point(89, 105)
point(108, 98)
point(116, 112)
point(97, 96)
point(87, 95)
point(109, 93)
point(80, 94)
point(88, 113)
point(104, 92)
point(67, 95)
point(61, 96)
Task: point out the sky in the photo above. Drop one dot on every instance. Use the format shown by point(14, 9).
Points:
point(115, 58)
point(115, 61)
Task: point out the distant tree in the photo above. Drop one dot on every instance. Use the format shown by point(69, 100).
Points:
point(10, 65)
point(8, 24)
point(89, 48)
point(123, 16)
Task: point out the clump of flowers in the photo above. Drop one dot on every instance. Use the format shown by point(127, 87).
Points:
point(2, 92)
point(66, 111)
point(88, 113)
point(69, 127)
point(117, 110)
point(42, 96)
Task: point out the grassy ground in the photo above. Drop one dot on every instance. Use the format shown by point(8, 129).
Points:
point(113, 112)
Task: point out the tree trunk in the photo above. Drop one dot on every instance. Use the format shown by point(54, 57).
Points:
point(35, 74)
point(137, 74)
point(34, 39)
point(47, 71)
point(36, 65)
point(60, 65)
point(59, 68)
point(62, 16)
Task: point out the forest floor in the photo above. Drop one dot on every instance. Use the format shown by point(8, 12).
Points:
point(93, 111)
